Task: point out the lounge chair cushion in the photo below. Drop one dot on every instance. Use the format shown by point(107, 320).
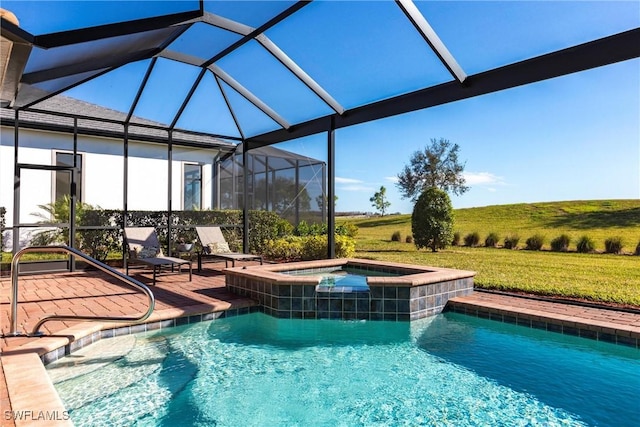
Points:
point(145, 252)
point(218, 248)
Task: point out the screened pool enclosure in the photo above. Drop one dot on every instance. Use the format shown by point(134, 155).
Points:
point(216, 90)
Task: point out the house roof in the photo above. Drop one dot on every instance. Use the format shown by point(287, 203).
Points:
point(57, 114)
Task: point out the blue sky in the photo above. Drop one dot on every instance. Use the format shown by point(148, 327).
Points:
point(569, 138)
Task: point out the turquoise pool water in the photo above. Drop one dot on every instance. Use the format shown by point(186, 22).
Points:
point(344, 279)
point(449, 370)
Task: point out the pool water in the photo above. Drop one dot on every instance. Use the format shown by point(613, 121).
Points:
point(341, 279)
point(450, 369)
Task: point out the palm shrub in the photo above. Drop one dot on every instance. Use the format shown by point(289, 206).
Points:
point(511, 241)
point(472, 239)
point(561, 243)
point(396, 236)
point(456, 239)
point(585, 245)
point(637, 252)
point(535, 242)
point(492, 240)
point(613, 245)
point(96, 243)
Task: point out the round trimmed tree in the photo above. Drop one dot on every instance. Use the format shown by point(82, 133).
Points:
point(432, 220)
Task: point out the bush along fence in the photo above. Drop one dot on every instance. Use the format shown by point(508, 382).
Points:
point(99, 231)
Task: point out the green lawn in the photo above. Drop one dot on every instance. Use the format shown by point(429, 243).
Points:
point(596, 277)
point(598, 219)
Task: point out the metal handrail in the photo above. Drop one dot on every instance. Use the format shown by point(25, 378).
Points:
point(101, 266)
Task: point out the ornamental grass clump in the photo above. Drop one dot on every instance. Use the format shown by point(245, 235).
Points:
point(396, 236)
point(535, 242)
point(472, 239)
point(613, 245)
point(511, 241)
point(409, 239)
point(492, 240)
point(561, 243)
point(456, 239)
point(585, 245)
point(637, 252)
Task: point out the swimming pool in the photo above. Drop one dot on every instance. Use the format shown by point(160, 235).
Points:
point(254, 369)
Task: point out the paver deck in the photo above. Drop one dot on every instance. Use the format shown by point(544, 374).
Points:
point(93, 293)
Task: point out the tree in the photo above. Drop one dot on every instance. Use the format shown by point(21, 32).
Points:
point(436, 166)
point(322, 199)
point(432, 220)
point(379, 200)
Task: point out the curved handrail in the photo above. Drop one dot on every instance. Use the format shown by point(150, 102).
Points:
point(101, 266)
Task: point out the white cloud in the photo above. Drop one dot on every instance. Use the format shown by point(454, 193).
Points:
point(482, 178)
point(340, 180)
point(357, 187)
point(393, 179)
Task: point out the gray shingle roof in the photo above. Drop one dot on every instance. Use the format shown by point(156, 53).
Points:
point(75, 107)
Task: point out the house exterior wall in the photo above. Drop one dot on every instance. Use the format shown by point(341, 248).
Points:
point(102, 175)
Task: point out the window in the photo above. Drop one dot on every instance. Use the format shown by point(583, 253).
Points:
point(192, 196)
point(63, 178)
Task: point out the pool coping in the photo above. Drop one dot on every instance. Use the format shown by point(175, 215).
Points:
point(30, 389)
point(566, 324)
point(415, 274)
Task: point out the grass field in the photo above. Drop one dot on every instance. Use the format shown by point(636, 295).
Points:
point(596, 277)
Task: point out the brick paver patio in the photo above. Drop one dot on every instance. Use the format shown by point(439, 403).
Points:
point(94, 293)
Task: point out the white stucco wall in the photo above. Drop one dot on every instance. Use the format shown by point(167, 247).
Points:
point(103, 170)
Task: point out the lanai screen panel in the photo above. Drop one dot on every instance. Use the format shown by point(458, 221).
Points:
point(280, 181)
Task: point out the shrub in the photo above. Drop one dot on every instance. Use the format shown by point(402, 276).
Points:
point(472, 239)
point(396, 236)
point(613, 245)
point(306, 229)
point(345, 247)
point(492, 240)
point(315, 247)
point(511, 241)
point(347, 229)
point(284, 249)
point(432, 220)
point(585, 245)
point(456, 239)
point(561, 243)
point(535, 242)
point(637, 252)
point(408, 239)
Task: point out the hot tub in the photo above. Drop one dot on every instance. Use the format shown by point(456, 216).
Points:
point(393, 291)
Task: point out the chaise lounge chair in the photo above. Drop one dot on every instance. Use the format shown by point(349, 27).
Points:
point(143, 248)
point(214, 245)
